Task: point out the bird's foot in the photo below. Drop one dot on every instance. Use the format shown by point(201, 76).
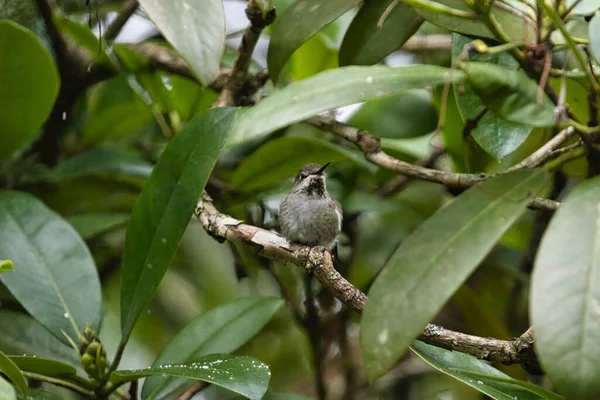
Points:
point(308, 267)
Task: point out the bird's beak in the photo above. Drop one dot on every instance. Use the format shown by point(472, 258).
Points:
point(320, 172)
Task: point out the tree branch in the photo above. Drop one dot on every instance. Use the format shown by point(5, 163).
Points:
point(318, 260)
point(197, 387)
point(46, 9)
point(165, 59)
point(544, 153)
point(115, 28)
point(370, 146)
point(395, 185)
point(230, 95)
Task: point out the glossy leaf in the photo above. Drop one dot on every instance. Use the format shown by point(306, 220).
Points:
point(43, 366)
point(510, 94)
point(57, 281)
point(36, 394)
point(165, 206)
point(296, 24)
point(313, 57)
point(499, 138)
point(367, 43)
point(594, 33)
point(530, 387)
point(83, 36)
point(29, 85)
point(518, 28)
point(332, 89)
point(12, 372)
point(7, 391)
point(195, 28)
point(279, 159)
point(244, 375)
point(94, 224)
point(495, 135)
point(405, 115)
point(461, 366)
point(584, 7)
point(221, 330)
point(116, 121)
point(565, 293)
point(6, 265)
point(435, 260)
point(104, 160)
point(23, 335)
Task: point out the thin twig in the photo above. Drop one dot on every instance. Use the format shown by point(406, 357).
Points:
point(273, 246)
point(426, 43)
point(398, 183)
point(60, 382)
point(114, 29)
point(371, 148)
point(542, 154)
point(133, 390)
point(197, 387)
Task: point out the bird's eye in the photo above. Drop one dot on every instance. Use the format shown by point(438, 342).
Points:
point(303, 176)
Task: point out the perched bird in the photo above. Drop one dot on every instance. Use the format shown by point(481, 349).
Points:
point(308, 214)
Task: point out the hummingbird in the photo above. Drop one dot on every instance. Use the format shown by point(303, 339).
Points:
point(308, 214)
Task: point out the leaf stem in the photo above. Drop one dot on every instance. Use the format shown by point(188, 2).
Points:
point(60, 382)
point(570, 8)
point(583, 128)
point(497, 30)
point(441, 9)
point(572, 45)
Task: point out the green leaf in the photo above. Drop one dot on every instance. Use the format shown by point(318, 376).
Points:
point(116, 121)
point(313, 57)
point(495, 135)
point(57, 281)
point(530, 387)
point(93, 224)
point(36, 394)
point(565, 294)
point(418, 148)
point(221, 330)
point(366, 43)
point(513, 24)
point(584, 7)
point(279, 159)
point(29, 85)
point(6, 265)
point(244, 375)
point(435, 260)
point(332, 89)
point(594, 33)
point(165, 206)
point(26, 336)
point(195, 28)
point(116, 109)
point(464, 367)
point(43, 366)
point(83, 36)
point(405, 115)
point(104, 160)
point(12, 372)
point(510, 94)
point(7, 391)
point(296, 24)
